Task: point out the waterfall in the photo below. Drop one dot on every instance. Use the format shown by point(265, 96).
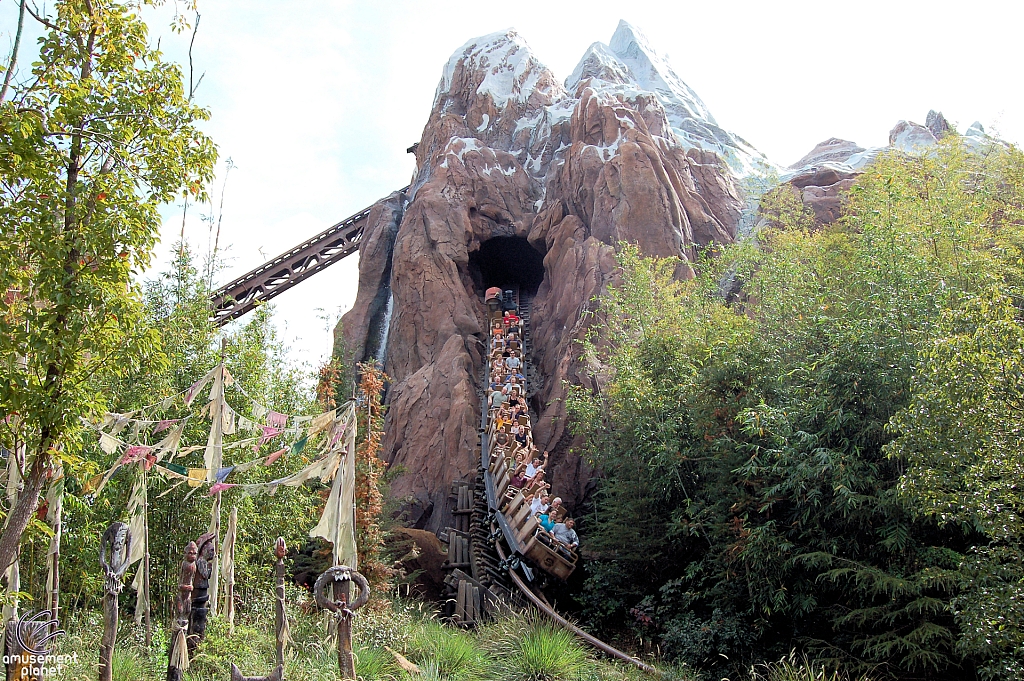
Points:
point(385, 327)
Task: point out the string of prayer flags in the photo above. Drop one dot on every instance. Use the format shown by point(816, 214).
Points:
point(169, 444)
point(320, 423)
point(120, 422)
point(247, 425)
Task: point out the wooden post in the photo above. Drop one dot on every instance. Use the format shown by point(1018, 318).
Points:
point(119, 540)
point(229, 569)
point(280, 617)
point(343, 610)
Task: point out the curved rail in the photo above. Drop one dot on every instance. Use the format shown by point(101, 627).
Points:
point(538, 600)
point(545, 608)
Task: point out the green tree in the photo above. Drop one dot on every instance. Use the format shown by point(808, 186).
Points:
point(961, 439)
point(91, 144)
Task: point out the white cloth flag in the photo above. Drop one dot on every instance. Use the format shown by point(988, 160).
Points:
point(337, 524)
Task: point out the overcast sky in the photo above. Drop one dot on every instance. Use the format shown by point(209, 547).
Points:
point(316, 102)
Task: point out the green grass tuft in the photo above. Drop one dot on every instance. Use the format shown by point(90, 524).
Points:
point(451, 654)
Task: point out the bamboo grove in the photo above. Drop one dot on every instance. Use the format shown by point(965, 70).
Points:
point(817, 441)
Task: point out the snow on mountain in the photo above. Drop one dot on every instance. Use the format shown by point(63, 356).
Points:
point(629, 64)
point(512, 72)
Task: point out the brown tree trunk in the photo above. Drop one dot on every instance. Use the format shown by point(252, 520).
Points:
point(21, 514)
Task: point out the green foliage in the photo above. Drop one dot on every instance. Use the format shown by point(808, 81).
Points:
point(92, 143)
point(752, 492)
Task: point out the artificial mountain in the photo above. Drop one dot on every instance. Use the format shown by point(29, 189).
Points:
point(525, 180)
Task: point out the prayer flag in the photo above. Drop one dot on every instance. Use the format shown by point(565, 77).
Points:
point(218, 487)
point(180, 470)
point(197, 476)
point(133, 454)
point(269, 433)
point(275, 456)
point(164, 425)
point(194, 389)
point(108, 443)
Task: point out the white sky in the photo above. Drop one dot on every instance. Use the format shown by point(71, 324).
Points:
point(316, 102)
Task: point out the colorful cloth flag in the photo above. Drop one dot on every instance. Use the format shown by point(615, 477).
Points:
point(135, 453)
point(269, 433)
point(197, 476)
point(275, 456)
point(219, 487)
point(164, 425)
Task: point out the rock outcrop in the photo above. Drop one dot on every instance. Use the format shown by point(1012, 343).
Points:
point(568, 171)
point(826, 173)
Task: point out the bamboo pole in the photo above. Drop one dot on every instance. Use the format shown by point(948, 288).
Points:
point(55, 514)
point(146, 616)
point(229, 569)
point(217, 438)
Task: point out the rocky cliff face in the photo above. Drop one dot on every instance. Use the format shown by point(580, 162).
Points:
point(523, 179)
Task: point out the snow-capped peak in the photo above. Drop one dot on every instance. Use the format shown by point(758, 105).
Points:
point(653, 73)
point(629, 62)
point(511, 72)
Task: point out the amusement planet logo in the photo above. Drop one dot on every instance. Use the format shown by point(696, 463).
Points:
point(29, 645)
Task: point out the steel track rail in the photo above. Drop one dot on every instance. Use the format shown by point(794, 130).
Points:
point(295, 265)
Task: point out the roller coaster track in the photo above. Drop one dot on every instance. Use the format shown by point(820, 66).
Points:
point(476, 544)
point(295, 265)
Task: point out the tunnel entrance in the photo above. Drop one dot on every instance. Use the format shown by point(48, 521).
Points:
point(507, 262)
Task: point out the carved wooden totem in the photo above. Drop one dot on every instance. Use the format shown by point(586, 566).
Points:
point(201, 591)
point(343, 610)
point(115, 546)
point(177, 656)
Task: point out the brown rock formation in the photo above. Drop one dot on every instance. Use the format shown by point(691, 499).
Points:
point(508, 153)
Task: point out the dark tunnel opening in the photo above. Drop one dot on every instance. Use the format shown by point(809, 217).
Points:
point(507, 262)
